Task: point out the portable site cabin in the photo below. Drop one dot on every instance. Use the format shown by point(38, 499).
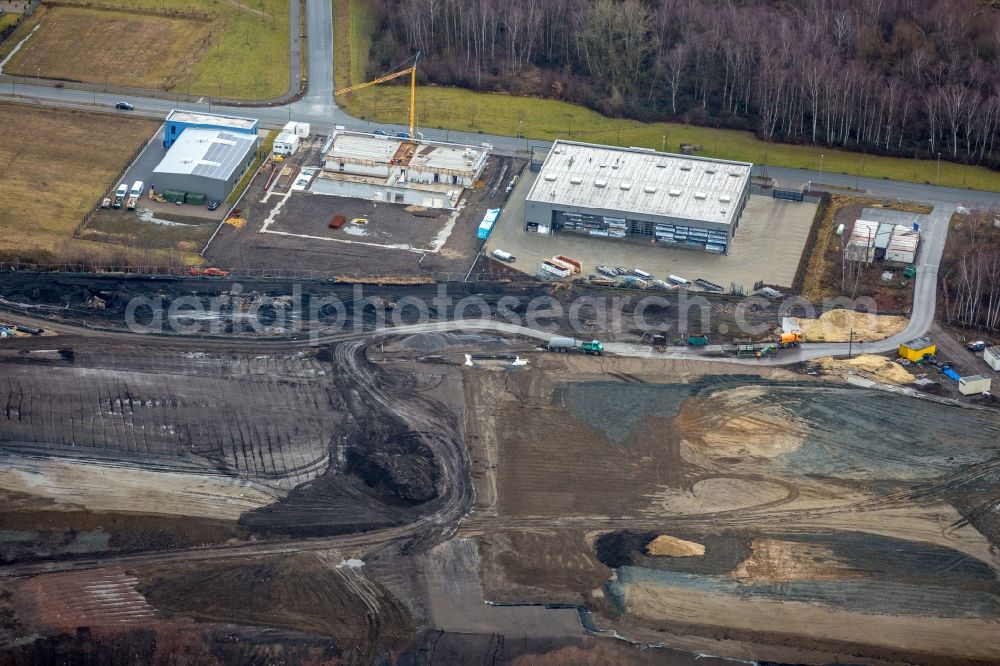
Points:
point(286, 144)
point(992, 357)
point(915, 350)
point(974, 384)
point(298, 129)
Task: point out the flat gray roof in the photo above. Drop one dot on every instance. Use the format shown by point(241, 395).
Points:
point(364, 147)
point(210, 153)
point(211, 119)
point(585, 175)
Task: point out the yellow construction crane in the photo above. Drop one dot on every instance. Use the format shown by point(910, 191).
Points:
point(412, 71)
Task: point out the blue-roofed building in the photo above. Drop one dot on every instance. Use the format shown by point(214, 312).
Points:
point(178, 121)
point(209, 162)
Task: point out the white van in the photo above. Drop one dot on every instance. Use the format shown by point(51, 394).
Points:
point(137, 189)
point(504, 256)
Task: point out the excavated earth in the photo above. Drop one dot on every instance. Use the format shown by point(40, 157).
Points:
point(253, 501)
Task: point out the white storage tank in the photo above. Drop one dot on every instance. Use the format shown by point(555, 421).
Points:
point(974, 385)
point(992, 357)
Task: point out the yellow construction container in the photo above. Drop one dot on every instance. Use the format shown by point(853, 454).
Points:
point(914, 350)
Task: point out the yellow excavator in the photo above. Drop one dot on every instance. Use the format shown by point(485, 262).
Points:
point(412, 71)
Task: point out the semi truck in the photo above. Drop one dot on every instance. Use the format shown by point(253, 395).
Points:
point(561, 344)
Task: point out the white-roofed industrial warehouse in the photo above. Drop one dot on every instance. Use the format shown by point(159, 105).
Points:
point(621, 193)
point(210, 162)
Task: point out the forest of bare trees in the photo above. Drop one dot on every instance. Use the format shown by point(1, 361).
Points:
point(891, 76)
point(970, 278)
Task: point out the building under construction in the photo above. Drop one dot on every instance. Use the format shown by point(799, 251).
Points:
point(399, 170)
point(882, 241)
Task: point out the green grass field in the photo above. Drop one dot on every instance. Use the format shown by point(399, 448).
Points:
point(266, 145)
point(243, 55)
point(8, 19)
point(544, 119)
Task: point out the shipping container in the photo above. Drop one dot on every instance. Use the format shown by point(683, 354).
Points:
point(194, 199)
point(577, 265)
point(992, 357)
point(974, 384)
point(486, 226)
point(552, 269)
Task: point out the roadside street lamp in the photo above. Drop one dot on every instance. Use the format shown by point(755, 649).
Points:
point(821, 156)
point(939, 169)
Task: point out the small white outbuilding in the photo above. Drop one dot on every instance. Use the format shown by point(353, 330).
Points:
point(974, 385)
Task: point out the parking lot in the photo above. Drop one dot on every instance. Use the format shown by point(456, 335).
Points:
point(767, 246)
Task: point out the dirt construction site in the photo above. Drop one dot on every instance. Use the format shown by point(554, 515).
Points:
point(287, 211)
point(312, 494)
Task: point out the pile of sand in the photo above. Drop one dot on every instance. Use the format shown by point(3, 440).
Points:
point(674, 547)
point(738, 422)
point(836, 325)
point(775, 561)
point(879, 367)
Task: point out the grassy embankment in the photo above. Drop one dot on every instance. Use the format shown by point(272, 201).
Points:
point(459, 109)
point(224, 49)
point(8, 19)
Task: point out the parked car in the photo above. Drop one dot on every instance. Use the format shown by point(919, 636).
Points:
point(124, 106)
point(212, 205)
point(380, 133)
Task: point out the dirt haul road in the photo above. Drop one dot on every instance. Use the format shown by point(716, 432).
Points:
point(64, 300)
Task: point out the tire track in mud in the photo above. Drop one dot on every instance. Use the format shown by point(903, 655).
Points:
point(454, 487)
point(435, 428)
